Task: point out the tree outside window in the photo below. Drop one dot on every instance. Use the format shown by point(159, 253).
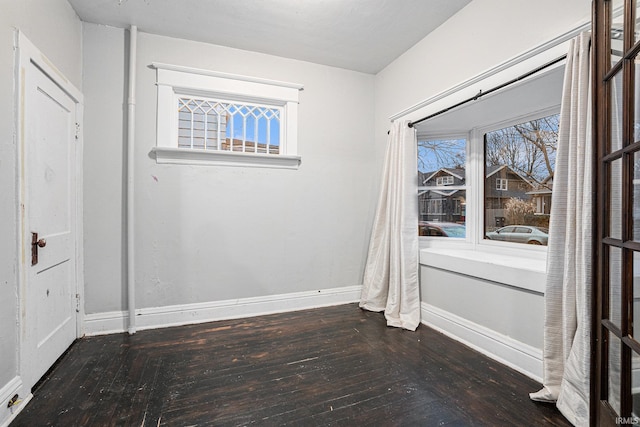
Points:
point(523, 156)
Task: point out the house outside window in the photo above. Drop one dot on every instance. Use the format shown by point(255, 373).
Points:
point(442, 181)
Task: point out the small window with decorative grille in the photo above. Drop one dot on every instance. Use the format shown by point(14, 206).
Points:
point(210, 124)
point(207, 117)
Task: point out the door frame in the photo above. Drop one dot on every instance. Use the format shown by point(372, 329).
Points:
point(26, 54)
point(613, 318)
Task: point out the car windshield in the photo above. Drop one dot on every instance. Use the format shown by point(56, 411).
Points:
point(454, 230)
point(544, 230)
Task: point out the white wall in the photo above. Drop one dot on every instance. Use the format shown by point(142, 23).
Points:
point(483, 35)
point(56, 30)
point(218, 233)
point(515, 312)
point(105, 66)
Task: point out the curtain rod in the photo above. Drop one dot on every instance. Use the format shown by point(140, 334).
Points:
point(481, 93)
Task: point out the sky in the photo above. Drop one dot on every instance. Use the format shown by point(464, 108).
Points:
point(437, 154)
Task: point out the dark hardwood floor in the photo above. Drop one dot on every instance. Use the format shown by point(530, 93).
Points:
point(328, 366)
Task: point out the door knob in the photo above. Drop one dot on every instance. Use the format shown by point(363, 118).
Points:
point(35, 244)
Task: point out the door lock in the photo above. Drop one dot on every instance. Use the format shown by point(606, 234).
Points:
point(35, 244)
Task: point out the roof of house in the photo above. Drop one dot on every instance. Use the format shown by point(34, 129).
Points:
point(443, 193)
point(455, 172)
point(542, 190)
point(491, 170)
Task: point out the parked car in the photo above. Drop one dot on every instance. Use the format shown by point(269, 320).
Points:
point(441, 229)
point(521, 234)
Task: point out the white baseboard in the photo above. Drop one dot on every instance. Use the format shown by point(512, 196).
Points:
point(184, 314)
point(515, 354)
point(9, 390)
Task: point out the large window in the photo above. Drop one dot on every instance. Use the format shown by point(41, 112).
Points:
point(519, 162)
point(442, 188)
point(504, 172)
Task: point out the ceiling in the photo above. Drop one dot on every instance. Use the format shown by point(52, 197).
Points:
point(539, 92)
point(360, 35)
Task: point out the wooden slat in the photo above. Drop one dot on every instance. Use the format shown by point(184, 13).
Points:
point(330, 366)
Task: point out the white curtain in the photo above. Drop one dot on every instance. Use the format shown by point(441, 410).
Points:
point(391, 273)
point(568, 289)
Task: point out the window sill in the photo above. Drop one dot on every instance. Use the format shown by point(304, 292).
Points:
point(518, 271)
point(181, 156)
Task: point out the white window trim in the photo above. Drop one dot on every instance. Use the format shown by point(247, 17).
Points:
point(174, 80)
point(502, 184)
point(496, 267)
point(187, 156)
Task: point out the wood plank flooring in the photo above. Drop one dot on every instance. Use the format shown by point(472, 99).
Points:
point(337, 366)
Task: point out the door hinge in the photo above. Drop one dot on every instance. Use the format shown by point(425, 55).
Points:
point(77, 303)
point(77, 131)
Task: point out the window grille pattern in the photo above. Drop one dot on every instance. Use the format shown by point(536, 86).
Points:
point(218, 125)
point(501, 184)
point(444, 180)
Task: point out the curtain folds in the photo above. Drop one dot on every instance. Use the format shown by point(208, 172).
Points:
point(390, 281)
point(568, 289)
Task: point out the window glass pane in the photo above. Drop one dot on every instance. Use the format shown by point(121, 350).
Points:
point(519, 167)
point(615, 92)
point(615, 199)
point(635, 188)
point(637, 29)
point(614, 373)
point(216, 125)
point(442, 215)
point(635, 384)
point(617, 31)
point(636, 100)
point(615, 285)
point(442, 195)
point(636, 296)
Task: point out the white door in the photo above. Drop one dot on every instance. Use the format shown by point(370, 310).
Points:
point(50, 212)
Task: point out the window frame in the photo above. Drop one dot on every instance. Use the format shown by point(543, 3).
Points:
point(174, 81)
point(499, 186)
point(421, 136)
point(441, 181)
point(475, 182)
